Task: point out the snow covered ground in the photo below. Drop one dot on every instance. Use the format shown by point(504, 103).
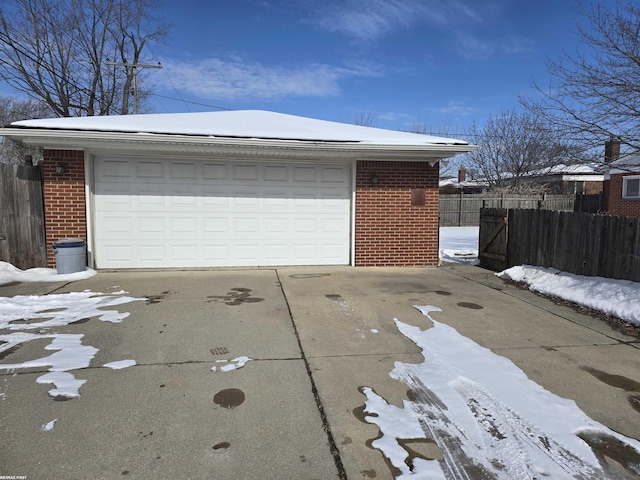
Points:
point(620, 298)
point(459, 244)
point(10, 273)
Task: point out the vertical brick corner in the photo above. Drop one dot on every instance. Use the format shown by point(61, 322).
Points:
point(64, 198)
point(391, 227)
point(614, 204)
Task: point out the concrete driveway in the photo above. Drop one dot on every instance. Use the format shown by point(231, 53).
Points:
point(315, 336)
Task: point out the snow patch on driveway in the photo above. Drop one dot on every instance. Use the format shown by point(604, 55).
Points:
point(21, 315)
point(488, 418)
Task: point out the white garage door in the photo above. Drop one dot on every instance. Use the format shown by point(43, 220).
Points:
point(156, 213)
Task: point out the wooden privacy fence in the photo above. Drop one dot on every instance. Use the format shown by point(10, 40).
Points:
point(464, 209)
point(580, 243)
point(22, 234)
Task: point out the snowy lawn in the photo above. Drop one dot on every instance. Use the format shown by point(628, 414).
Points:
point(459, 244)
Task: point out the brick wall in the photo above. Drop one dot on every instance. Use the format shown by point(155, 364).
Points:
point(64, 198)
point(614, 204)
point(389, 230)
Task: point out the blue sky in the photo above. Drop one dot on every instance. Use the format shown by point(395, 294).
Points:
point(405, 63)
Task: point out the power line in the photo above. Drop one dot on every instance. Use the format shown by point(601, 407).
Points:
point(188, 101)
point(134, 72)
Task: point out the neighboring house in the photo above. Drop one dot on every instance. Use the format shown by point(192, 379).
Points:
point(622, 186)
point(583, 178)
point(460, 184)
point(238, 188)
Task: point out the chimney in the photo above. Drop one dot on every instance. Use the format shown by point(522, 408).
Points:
point(611, 149)
point(462, 175)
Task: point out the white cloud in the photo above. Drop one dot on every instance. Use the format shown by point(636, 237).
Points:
point(474, 48)
point(456, 108)
point(236, 78)
point(370, 19)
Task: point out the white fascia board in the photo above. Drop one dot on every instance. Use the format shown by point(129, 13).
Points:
point(131, 142)
point(583, 178)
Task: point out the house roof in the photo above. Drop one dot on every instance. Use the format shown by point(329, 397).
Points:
point(237, 129)
point(626, 164)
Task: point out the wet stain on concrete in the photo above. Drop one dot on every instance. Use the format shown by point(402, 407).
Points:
point(151, 299)
point(617, 381)
point(402, 288)
point(309, 275)
point(472, 306)
point(27, 321)
point(221, 446)
point(219, 351)
point(360, 414)
point(229, 398)
point(235, 296)
point(54, 310)
point(423, 448)
point(442, 292)
point(9, 351)
point(617, 459)
point(371, 473)
point(61, 398)
point(346, 441)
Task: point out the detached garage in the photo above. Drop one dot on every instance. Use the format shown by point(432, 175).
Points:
point(238, 188)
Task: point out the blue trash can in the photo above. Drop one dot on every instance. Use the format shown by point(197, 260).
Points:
point(71, 255)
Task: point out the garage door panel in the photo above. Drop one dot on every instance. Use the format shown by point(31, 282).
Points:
point(214, 171)
point(156, 213)
point(183, 171)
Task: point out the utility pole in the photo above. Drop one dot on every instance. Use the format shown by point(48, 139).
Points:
point(134, 71)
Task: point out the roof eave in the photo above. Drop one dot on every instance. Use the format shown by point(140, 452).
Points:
point(101, 141)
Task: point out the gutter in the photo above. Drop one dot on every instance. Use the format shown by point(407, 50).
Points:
point(103, 140)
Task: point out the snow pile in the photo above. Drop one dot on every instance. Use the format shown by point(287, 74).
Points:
point(485, 415)
point(459, 244)
point(10, 273)
point(620, 298)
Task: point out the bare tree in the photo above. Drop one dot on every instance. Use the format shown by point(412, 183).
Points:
point(512, 146)
point(57, 51)
point(449, 167)
point(596, 91)
point(13, 110)
point(366, 119)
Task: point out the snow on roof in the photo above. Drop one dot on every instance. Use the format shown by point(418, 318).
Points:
point(630, 163)
point(581, 168)
point(240, 124)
